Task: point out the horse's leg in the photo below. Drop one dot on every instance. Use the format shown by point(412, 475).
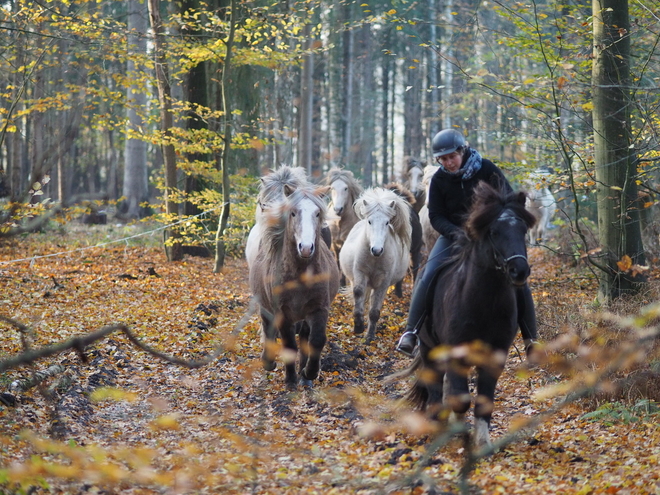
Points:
point(375, 305)
point(456, 395)
point(302, 329)
point(484, 403)
point(267, 341)
point(288, 335)
point(398, 289)
point(359, 290)
point(317, 323)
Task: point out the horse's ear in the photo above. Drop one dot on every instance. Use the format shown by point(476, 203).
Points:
point(288, 190)
point(522, 198)
point(323, 191)
point(392, 204)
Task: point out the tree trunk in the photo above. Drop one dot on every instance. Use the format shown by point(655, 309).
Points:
point(347, 85)
point(136, 183)
point(385, 95)
point(173, 248)
point(618, 216)
point(306, 105)
point(224, 215)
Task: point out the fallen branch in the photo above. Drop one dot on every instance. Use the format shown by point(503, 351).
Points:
point(36, 378)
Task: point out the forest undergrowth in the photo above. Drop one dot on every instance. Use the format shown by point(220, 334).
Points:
point(116, 419)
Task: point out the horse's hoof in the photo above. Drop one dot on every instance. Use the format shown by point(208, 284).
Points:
point(269, 365)
point(291, 386)
point(358, 328)
point(306, 382)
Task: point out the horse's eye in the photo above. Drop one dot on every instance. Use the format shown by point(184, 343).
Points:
point(346, 188)
point(369, 222)
point(318, 214)
point(293, 213)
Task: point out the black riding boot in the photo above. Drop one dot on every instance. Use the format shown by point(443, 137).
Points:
point(417, 311)
point(526, 318)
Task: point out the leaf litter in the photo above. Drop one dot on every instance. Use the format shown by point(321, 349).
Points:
point(231, 427)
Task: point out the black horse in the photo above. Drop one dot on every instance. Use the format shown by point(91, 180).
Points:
point(473, 320)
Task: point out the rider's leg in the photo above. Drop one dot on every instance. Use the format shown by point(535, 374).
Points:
point(526, 317)
point(417, 310)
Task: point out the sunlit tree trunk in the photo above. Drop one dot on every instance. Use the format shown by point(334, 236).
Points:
point(618, 217)
point(173, 248)
point(135, 188)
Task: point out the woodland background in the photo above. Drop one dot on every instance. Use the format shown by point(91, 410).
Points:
point(165, 114)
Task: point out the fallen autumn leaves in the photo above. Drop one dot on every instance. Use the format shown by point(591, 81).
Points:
point(129, 422)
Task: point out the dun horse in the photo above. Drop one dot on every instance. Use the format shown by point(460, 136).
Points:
point(345, 189)
point(429, 234)
point(273, 188)
point(474, 308)
point(376, 253)
point(294, 278)
point(414, 172)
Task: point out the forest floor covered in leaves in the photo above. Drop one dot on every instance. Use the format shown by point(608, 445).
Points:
point(125, 421)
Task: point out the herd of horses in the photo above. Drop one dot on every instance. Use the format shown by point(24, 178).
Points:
point(308, 240)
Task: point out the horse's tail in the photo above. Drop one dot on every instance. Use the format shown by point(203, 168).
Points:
point(417, 395)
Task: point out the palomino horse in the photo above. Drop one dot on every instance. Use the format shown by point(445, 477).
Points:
point(474, 309)
point(413, 172)
point(294, 278)
point(376, 253)
point(273, 188)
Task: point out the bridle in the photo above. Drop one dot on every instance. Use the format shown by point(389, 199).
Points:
point(501, 263)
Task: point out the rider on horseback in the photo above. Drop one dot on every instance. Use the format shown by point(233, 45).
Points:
point(450, 196)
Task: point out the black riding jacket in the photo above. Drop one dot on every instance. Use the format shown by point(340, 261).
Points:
point(450, 197)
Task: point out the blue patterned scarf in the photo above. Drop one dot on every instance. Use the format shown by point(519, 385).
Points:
point(472, 165)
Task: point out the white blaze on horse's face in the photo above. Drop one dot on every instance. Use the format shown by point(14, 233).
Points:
point(416, 176)
point(339, 195)
point(378, 231)
point(305, 220)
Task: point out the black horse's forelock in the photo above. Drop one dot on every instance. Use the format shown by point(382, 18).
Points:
point(488, 204)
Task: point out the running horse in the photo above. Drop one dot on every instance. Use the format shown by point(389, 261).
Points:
point(376, 253)
point(294, 278)
point(473, 316)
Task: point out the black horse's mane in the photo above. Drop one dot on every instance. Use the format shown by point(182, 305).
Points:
point(487, 205)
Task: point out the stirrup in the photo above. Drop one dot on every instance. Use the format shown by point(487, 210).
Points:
point(408, 350)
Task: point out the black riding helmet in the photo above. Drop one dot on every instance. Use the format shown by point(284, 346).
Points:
point(447, 141)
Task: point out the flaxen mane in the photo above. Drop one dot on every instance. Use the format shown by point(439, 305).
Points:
point(273, 235)
point(283, 180)
point(354, 187)
point(392, 203)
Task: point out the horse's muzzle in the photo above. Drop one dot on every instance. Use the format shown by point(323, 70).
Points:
point(377, 251)
point(306, 250)
point(518, 270)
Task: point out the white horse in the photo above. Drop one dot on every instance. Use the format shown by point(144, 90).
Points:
point(429, 234)
point(273, 189)
point(376, 253)
point(542, 204)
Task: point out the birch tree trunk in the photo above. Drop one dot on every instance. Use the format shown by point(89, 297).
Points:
point(618, 217)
